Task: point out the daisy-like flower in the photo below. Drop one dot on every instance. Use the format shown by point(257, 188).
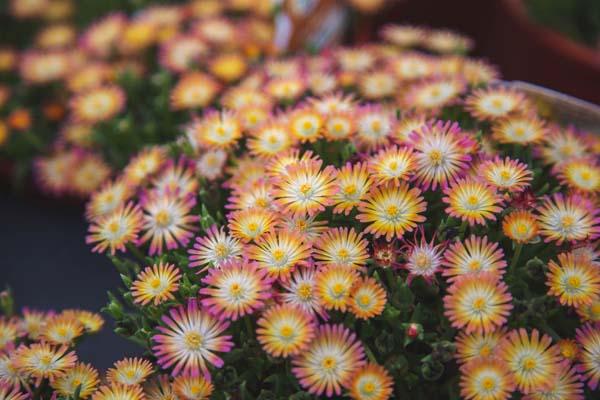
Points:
point(573, 280)
point(494, 103)
point(9, 331)
point(355, 59)
point(160, 388)
point(568, 218)
point(285, 330)
point(392, 210)
point(562, 145)
point(176, 178)
point(533, 360)
point(192, 387)
point(431, 95)
point(228, 67)
point(403, 35)
point(519, 130)
point(566, 385)
point(339, 126)
point(99, 104)
point(167, 220)
point(115, 230)
point(341, 246)
point(374, 126)
point(107, 199)
point(333, 103)
point(257, 195)
point(393, 164)
point(278, 165)
point(189, 339)
point(269, 140)
point(472, 201)
point(216, 130)
point(377, 85)
point(306, 125)
point(367, 298)
point(179, 53)
point(100, 37)
point(90, 173)
point(423, 258)
point(442, 153)
point(478, 72)
point(44, 361)
point(143, 165)
point(520, 226)
point(245, 172)
point(92, 322)
point(251, 224)
point(194, 90)
point(33, 322)
point(300, 291)
point(82, 377)
point(235, 289)
point(333, 285)
point(8, 392)
point(156, 284)
point(252, 117)
point(569, 349)
point(412, 66)
point(329, 363)
point(285, 89)
point(9, 373)
point(478, 303)
point(371, 382)
point(445, 41)
point(129, 371)
point(306, 188)
point(590, 312)
point(279, 252)
point(308, 228)
point(53, 172)
point(118, 392)
point(210, 164)
point(353, 183)
point(214, 249)
point(581, 175)
point(473, 256)
point(588, 337)
point(475, 346)
point(406, 126)
point(486, 379)
point(63, 328)
point(505, 175)
point(41, 67)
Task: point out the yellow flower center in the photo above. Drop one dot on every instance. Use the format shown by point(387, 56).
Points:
point(155, 283)
point(474, 265)
point(350, 189)
point(422, 261)
point(343, 253)
point(46, 360)
point(485, 351)
point(307, 126)
point(113, 227)
point(497, 103)
point(286, 331)
point(393, 165)
point(519, 131)
point(435, 92)
point(521, 228)
point(369, 388)
point(338, 127)
point(278, 255)
point(221, 250)
point(193, 340)
point(529, 363)
point(252, 226)
point(305, 188)
point(392, 211)
point(364, 300)
point(235, 289)
point(586, 175)
point(435, 156)
point(163, 218)
point(221, 131)
point(505, 175)
point(574, 282)
point(488, 383)
point(376, 126)
point(472, 200)
point(338, 289)
point(567, 221)
point(305, 291)
point(479, 304)
point(328, 363)
point(76, 382)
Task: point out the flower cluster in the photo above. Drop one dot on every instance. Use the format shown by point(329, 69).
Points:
point(371, 221)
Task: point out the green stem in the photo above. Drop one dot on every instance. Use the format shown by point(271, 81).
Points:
point(249, 328)
point(136, 252)
point(391, 279)
point(515, 258)
point(463, 229)
point(369, 353)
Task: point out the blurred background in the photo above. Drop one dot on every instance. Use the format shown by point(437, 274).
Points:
point(553, 43)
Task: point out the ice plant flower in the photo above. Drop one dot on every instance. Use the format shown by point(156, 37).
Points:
point(353, 183)
point(285, 330)
point(568, 218)
point(115, 230)
point(506, 175)
point(423, 258)
point(63, 328)
point(476, 346)
point(330, 361)
point(520, 226)
point(441, 152)
point(215, 131)
point(269, 140)
point(167, 220)
point(235, 289)
point(98, 104)
point(156, 284)
point(573, 280)
point(473, 256)
point(250, 224)
point(519, 130)
point(107, 199)
point(431, 95)
point(580, 175)
point(533, 360)
point(472, 201)
point(143, 165)
point(494, 103)
point(478, 303)
point(588, 338)
point(341, 246)
point(82, 378)
point(333, 285)
point(193, 90)
point(279, 252)
point(486, 379)
point(306, 188)
point(8, 392)
point(306, 125)
point(392, 210)
point(392, 164)
point(192, 387)
point(566, 385)
point(129, 371)
point(116, 391)
point(371, 382)
point(367, 298)
point(300, 291)
point(44, 361)
point(189, 340)
point(214, 249)
point(374, 126)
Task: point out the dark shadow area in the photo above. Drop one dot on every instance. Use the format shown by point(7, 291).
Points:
point(47, 264)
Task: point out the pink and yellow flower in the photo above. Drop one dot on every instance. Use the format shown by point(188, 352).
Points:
point(129, 371)
point(341, 246)
point(270, 139)
point(431, 95)
point(472, 201)
point(520, 226)
point(82, 378)
point(473, 256)
point(330, 361)
point(43, 361)
point(573, 280)
point(519, 130)
point(353, 183)
point(115, 230)
point(194, 90)
point(177, 178)
point(285, 330)
point(506, 175)
point(588, 337)
point(306, 125)
point(235, 289)
point(98, 104)
point(187, 387)
point(62, 329)
point(301, 291)
point(116, 391)
point(392, 210)
point(494, 103)
point(423, 258)
point(533, 361)
point(156, 284)
point(189, 340)
point(214, 249)
point(486, 379)
point(568, 218)
point(581, 175)
point(367, 298)
point(251, 224)
point(107, 199)
point(143, 165)
point(475, 346)
point(279, 252)
point(478, 303)
point(393, 164)
point(566, 385)
point(216, 130)
point(371, 382)
point(374, 126)
point(333, 285)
